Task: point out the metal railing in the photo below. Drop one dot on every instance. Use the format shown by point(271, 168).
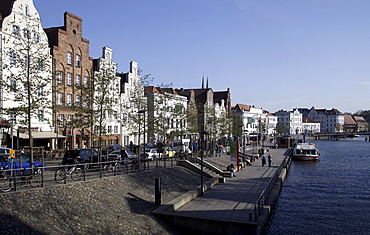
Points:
point(257, 206)
point(14, 179)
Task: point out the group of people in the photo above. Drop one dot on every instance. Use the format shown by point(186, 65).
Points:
point(269, 159)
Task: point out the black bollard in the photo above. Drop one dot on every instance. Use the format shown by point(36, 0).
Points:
point(157, 191)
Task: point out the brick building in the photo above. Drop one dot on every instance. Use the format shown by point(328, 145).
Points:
point(72, 68)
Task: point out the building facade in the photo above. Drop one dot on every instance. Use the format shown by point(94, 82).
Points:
point(330, 120)
point(106, 102)
point(72, 71)
point(25, 72)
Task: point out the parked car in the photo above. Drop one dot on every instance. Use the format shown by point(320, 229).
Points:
point(21, 161)
point(151, 154)
point(129, 155)
point(82, 156)
point(114, 155)
point(169, 152)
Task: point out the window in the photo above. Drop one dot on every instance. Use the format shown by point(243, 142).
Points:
point(69, 118)
point(86, 81)
point(115, 129)
point(69, 58)
point(41, 91)
point(86, 102)
point(69, 79)
point(69, 99)
point(12, 58)
point(78, 61)
point(60, 77)
point(78, 80)
point(40, 115)
point(40, 65)
point(27, 10)
point(36, 37)
point(26, 34)
point(60, 99)
point(26, 61)
point(16, 31)
point(78, 100)
point(60, 120)
point(13, 85)
point(109, 129)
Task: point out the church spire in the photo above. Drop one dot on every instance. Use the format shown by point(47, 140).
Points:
point(207, 83)
point(203, 81)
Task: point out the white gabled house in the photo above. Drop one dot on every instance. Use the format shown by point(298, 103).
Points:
point(254, 120)
point(107, 98)
point(132, 101)
point(25, 69)
point(289, 122)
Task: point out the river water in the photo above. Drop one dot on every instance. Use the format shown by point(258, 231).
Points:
point(329, 196)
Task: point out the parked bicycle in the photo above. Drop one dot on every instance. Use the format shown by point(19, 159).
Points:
point(114, 168)
point(75, 172)
point(10, 179)
point(137, 165)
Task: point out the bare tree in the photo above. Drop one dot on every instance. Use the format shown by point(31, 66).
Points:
point(26, 77)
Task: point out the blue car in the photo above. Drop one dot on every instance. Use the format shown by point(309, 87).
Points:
point(5, 163)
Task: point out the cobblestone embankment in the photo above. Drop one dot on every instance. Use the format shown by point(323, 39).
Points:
point(116, 205)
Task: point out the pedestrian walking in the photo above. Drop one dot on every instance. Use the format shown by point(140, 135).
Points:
point(263, 160)
point(269, 159)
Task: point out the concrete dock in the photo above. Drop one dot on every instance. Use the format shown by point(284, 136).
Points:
point(230, 207)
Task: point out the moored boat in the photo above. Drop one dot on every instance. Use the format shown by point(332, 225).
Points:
point(305, 152)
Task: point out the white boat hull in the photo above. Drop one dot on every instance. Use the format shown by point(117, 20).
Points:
point(305, 158)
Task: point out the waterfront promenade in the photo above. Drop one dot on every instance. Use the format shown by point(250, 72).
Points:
point(225, 208)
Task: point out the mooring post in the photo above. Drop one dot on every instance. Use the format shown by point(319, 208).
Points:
point(157, 191)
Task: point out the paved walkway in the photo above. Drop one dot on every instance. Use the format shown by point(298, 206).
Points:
point(232, 200)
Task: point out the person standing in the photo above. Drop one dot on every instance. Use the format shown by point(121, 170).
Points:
point(269, 159)
point(263, 160)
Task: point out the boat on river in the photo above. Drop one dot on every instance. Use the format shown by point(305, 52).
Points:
point(305, 152)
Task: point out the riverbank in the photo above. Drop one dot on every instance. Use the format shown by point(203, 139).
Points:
point(115, 205)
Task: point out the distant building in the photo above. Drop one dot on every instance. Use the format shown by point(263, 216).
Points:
point(355, 123)
point(310, 126)
point(330, 120)
point(289, 122)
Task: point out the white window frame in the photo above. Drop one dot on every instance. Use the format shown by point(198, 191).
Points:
point(60, 77)
point(60, 99)
point(69, 58)
point(69, 99)
point(78, 61)
point(78, 80)
point(69, 79)
point(78, 100)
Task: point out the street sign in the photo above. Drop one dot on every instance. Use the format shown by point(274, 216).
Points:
point(12, 153)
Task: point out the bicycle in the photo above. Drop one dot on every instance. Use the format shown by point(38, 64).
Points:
point(137, 165)
point(76, 172)
point(117, 167)
point(9, 179)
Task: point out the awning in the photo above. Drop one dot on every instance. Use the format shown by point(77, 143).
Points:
point(41, 135)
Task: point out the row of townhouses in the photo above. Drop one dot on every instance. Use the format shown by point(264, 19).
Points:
point(301, 120)
point(55, 95)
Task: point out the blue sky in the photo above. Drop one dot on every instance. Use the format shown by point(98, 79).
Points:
point(274, 54)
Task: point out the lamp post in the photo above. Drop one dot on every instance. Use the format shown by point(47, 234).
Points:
point(12, 119)
point(143, 112)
